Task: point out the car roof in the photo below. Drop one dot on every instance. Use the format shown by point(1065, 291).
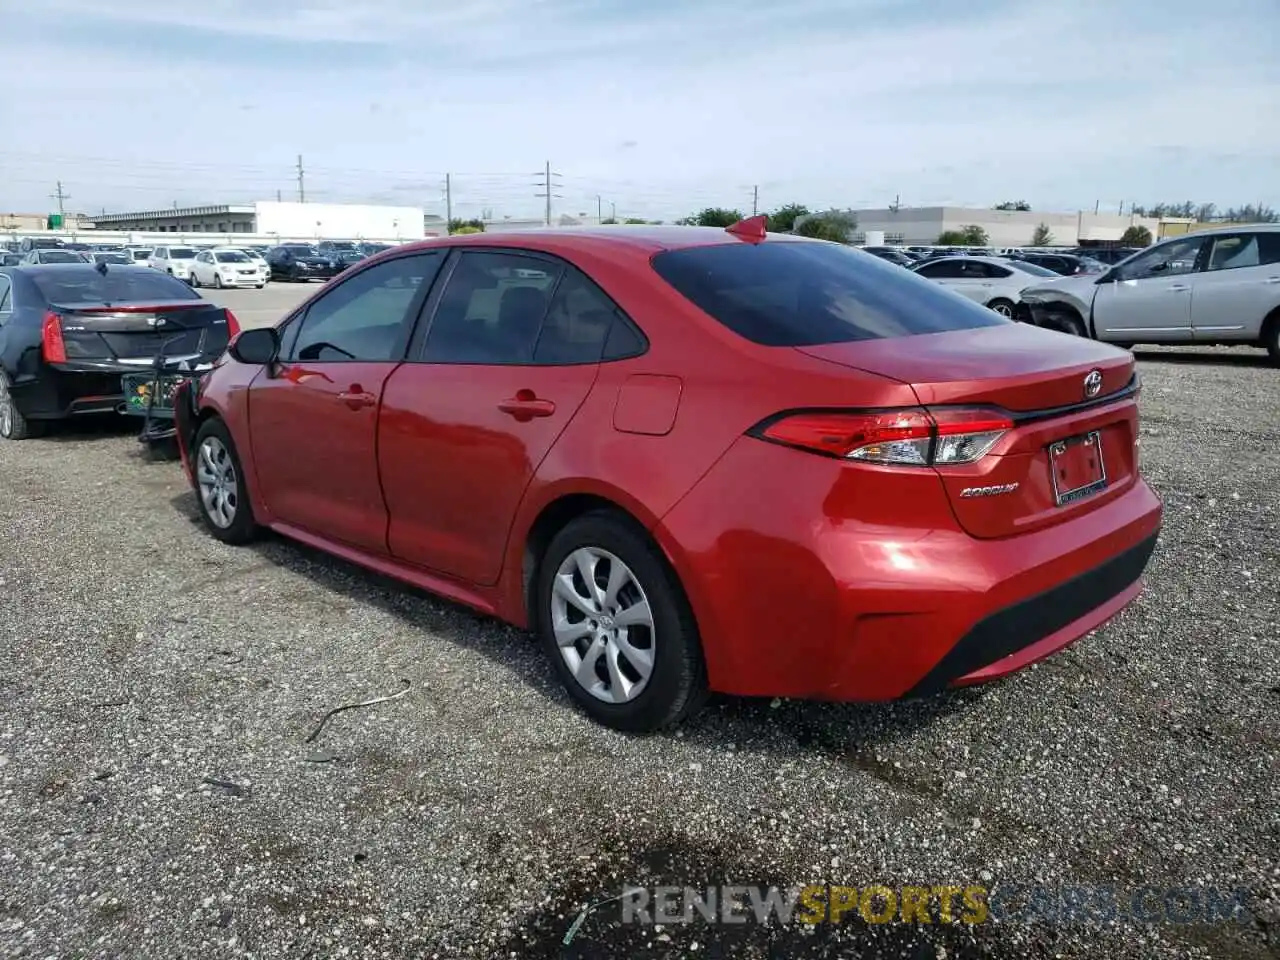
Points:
point(1230, 228)
point(647, 240)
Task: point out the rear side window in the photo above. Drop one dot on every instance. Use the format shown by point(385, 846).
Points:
point(127, 285)
point(795, 293)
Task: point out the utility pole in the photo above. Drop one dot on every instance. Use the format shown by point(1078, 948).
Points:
point(755, 200)
point(277, 196)
point(448, 201)
point(302, 184)
point(62, 198)
point(599, 209)
point(613, 211)
point(548, 185)
point(1096, 204)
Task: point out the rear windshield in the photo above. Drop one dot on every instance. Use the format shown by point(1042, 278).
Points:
point(793, 294)
point(141, 254)
point(302, 251)
point(129, 285)
point(60, 256)
point(182, 253)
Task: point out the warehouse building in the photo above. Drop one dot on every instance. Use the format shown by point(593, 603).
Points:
point(1004, 228)
point(318, 221)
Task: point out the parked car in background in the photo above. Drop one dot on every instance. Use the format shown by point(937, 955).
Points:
point(1217, 286)
point(141, 255)
point(300, 262)
point(892, 255)
point(175, 261)
point(68, 332)
point(990, 281)
point(372, 249)
point(659, 448)
point(330, 248)
point(1108, 255)
point(259, 260)
point(117, 259)
point(1063, 264)
point(39, 243)
point(226, 267)
point(10, 259)
point(53, 255)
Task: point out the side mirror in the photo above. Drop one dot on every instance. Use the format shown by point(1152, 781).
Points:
point(256, 347)
point(1109, 276)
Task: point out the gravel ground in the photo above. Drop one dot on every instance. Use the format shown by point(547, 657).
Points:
point(475, 815)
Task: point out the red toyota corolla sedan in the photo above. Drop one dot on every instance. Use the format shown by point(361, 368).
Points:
point(692, 459)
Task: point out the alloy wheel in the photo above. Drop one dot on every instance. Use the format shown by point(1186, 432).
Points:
point(603, 625)
point(216, 477)
point(1004, 309)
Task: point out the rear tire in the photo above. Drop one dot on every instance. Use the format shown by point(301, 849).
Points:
point(217, 281)
point(1271, 336)
point(655, 624)
point(1003, 307)
point(195, 280)
point(221, 493)
point(13, 425)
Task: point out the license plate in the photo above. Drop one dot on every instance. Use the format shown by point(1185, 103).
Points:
point(1077, 468)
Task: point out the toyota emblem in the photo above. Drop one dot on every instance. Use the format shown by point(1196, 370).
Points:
point(1093, 383)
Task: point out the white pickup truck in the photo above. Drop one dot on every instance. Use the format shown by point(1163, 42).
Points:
point(1219, 286)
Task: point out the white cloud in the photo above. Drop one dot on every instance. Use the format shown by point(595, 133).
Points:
point(824, 102)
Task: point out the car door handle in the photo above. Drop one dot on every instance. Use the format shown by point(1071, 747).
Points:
point(356, 398)
point(1272, 280)
point(525, 405)
point(1179, 287)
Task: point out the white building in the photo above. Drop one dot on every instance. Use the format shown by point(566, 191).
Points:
point(1004, 228)
point(285, 220)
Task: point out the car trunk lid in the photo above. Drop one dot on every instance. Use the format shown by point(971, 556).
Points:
point(133, 334)
point(1067, 448)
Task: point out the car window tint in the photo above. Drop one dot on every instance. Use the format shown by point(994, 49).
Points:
point(1234, 252)
point(362, 317)
point(941, 270)
point(115, 286)
point(5, 295)
point(797, 293)
point(578, 323)
point(994, 272)
point(492, 308)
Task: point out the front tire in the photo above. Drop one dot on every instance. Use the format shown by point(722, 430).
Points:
point(217, 281)
point(1068, 323)
point(13, 425)
point(617, 626)
point(195, 280)
point(220, 487)
point(1271, 336)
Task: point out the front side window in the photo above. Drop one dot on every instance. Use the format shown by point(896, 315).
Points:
point(942, 270)
point(1166, 260)
point(805, 293)
point(362, 318)
point(492, 308)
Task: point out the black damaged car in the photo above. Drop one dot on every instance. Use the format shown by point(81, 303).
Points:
point(69, 331)
point(299, 262)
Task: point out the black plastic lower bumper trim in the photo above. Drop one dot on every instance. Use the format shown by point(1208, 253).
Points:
point(1029, 621)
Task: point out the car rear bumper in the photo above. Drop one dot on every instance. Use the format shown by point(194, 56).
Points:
point(56, 395)
point(796, 596)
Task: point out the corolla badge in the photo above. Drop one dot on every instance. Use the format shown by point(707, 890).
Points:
point(1093, 383)
point(992, 491)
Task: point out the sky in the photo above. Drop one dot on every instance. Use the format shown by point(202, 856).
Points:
point(644, 108)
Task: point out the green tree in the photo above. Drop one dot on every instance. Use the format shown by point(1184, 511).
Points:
point(468, 228)
point(1136, 236)
point(461, 226)
point(609, 220)
point(634, 220)
point(1042, 236)
point(712, 217)
point(1013, 205)
point(783, 220)
point(970, 235)
point(834, 225)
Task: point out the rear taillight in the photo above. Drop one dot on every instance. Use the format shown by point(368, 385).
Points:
point(52, 346)
point(233, 325)
point(905, 437)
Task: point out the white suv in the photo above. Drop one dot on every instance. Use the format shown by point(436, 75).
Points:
point(1219, 286)
point(175, 261)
